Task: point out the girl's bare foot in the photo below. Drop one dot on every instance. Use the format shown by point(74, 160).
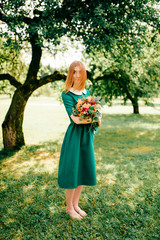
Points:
point(73, 214)
point(80, 211)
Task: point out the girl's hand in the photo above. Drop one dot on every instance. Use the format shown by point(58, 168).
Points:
point(83, 121)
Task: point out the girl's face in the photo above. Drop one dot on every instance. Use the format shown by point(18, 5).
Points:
point(76, 75)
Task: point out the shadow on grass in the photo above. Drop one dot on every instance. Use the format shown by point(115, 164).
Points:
point(123, 205)
point(30, 197)
point(48, 146)
point(33, 207)
point(4, 154)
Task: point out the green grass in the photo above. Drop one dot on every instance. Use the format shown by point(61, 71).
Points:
point(123, 205)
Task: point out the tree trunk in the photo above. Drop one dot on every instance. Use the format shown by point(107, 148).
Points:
point(135, 106)
point(136, 109)
point(13, 137)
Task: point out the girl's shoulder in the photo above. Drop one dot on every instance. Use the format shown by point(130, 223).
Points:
point(70, 95)
point(66, 96)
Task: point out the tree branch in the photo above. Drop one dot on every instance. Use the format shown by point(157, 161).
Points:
point(56, 76)
point(36, 57)
point(104, 77)
point(11, 79)
point(89, 75)
point(22, 18)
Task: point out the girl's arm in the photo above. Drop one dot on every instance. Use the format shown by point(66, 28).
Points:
point(83, 121)
point(76, 120)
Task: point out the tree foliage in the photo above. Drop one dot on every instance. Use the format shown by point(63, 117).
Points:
point(10, 63)
point(97, 23)
point(103, 23)
point(126, 73)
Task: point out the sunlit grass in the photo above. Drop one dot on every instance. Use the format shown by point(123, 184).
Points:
point(123, 205)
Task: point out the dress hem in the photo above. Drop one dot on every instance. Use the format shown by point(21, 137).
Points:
point(78, 185)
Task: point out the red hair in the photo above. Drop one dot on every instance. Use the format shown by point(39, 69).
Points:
point(69, 80)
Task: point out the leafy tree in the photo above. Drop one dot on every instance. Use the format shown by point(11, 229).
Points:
point(33, 22)
point(42, 24)
point(104, 23)
point(123, 72)
point(10, 62)
point(122, 25)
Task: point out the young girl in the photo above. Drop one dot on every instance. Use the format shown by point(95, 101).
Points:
point(77, 162)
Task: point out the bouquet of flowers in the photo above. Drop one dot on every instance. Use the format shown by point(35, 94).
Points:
point(88, 108)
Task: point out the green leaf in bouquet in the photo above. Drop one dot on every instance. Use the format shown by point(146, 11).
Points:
point(91, 111)
point(102, 103)
point(98, 114)
point(96, 119)
point(97, 99)
point(94, 126)
point(75, 112)
point(91, 107)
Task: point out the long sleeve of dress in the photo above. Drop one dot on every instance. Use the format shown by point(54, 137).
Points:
point(68, 103)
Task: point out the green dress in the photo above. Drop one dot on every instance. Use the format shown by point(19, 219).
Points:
point(77, 161)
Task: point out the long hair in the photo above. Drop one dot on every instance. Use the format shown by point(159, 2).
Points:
point(70, 81)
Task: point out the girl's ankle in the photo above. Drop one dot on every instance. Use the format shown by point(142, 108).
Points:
point(69, 209)
point(75, 206)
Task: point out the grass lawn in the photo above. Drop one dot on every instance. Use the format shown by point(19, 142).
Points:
point(123, 205)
